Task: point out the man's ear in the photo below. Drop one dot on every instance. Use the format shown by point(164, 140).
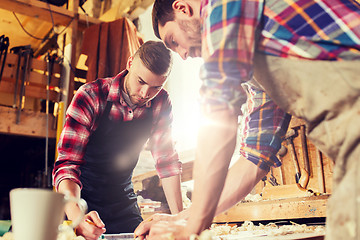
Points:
point(182, 7)
point(129, 63)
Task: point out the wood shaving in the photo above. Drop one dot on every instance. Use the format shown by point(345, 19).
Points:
point(220, 231)
point(252, 198)
point(270, 229)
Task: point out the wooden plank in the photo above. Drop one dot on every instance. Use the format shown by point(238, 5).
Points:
point(42, 65)
point(12, 29)
point(38, 64)
point(30, 91)
point(37, 70)
point(35, 90)
point(284, 191)
point(31, 123)
point(40, 10)
point(37, 80)
point(9, 73)
point(35, 64)
point(271, 210)
point(293, 208)
point(41, 79)
point(11, 59)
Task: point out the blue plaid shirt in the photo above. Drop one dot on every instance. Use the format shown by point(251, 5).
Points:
point(232, 30)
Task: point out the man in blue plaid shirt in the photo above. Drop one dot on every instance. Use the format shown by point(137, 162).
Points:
point(305, 54)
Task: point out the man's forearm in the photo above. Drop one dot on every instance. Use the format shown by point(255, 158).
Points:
point(73, 189)
point(241, 179)
point(215, 148)
point(172, 190)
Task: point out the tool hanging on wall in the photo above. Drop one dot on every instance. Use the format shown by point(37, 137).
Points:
point(320, 171)
point(290, 135)
point(275, 191)
point(25, 54)
point(18, 51)
point(50, 60)
point(304, 180)
point(272, 180)
point(4, 45)
point(58, 60)
point(281, 153)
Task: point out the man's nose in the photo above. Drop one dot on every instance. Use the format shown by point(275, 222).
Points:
point(144, 91)
point(183, 53)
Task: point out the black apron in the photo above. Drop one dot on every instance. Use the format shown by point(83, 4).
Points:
point(110, 158)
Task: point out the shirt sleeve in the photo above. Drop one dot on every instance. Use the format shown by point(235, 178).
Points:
point(228, 43)
point(161, 141)
point(263, 126)
point(74, 137)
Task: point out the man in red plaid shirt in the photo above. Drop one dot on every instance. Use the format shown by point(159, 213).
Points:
point(107, 124)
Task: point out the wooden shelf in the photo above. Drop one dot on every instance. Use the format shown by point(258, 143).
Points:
point(31, 123)
point(40, 10)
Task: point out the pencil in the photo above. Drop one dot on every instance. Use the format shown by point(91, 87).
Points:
point(90, 222)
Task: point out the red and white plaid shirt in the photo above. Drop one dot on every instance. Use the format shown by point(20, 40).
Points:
point(81, 121)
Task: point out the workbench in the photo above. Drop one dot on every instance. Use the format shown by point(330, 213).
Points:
point(277, 209)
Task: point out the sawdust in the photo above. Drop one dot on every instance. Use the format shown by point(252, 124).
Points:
point(252, 198)
point(220, 231)
point(270, 229)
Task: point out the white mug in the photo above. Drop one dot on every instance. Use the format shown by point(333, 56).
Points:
point(37, 213)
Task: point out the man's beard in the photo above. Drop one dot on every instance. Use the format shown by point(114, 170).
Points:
point(135, 98)
point(193, 30)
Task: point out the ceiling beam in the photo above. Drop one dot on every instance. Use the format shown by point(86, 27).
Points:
point(40, 10)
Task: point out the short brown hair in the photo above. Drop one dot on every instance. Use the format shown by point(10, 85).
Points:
point(162, 13)
point(156, 57)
